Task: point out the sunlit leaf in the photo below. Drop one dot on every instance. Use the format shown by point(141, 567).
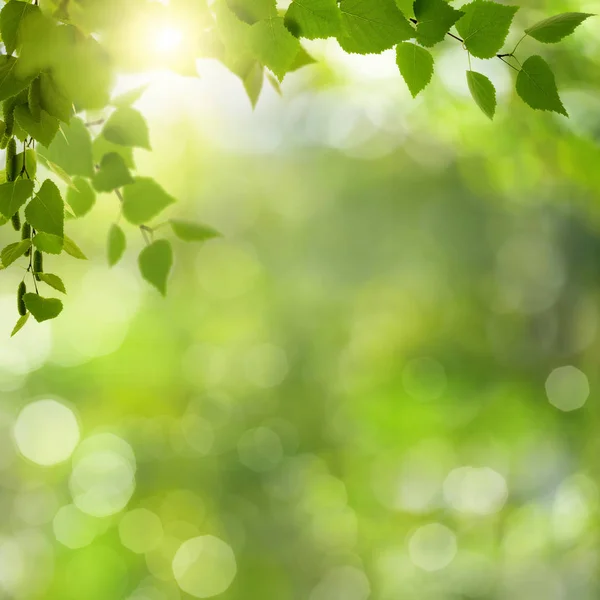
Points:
point(483, 92)
point(42, 309)
point(155, 262)
point(416, 66)
point(554, 29)
point(537, 87)
point(53, 281)
point(484, 27)
point(116, 244)
point(192, 232)
point(143, 200)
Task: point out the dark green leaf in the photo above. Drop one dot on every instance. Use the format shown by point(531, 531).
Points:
point(155, 262)
point(11, 16)
point(116, 244)
point(43, 130)
point(435, 18)
point(13, 195)
point(537, 87)
point(313, 19)
point(371, 27)
point(46, 212)
point(42, 309)
point(416, 66)
point(484, 27)
point(483, 92)
point(143, 200)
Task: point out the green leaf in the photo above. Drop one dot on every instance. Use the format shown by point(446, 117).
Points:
point(11, 83)
point(537, 87)
point(116, 244)
point(130, 97)
point(484, 27)
point(155, 262)
point(274, 45)
point(483, 92)
point(13, 195)
point(371, 27)
point(30, 162)
point(48, 242)
point(253, 81)
point(113, 173)
point(416, 66)
point(20, 324)
point(101, 146)
point(143, 200)
point(11, 16)
point(80, 196)
point(43, 130)
point(53, 99)
point(313, 19)
point(127, 127)
point(42, 309)
point(554, 29)
point(435, 18)
point(71, 248)
point(192, 232)
point(46, 212)
point(14, 251)
point(71, 150)
point(251, 11)
point(53, 281)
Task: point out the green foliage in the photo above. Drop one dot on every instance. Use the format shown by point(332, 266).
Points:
point(112, 174)
point(13, 251)
point(143, 200)
point(312, 19)
point(192, 232)
point(43, 309)
point(416, 66)
point(483, 92)
point(61, 61)
point(54, 281)
point(116, 244)
point(371, 27)
point(554, 29)
point(155, 262)
point(46, 212)
point(80, 196)
point(537, 87)
point(127, 127)
point(434, 20)
point(13, 195)
point(484, 27)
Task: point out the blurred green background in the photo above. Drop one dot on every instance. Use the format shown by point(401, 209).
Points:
point(381, 382)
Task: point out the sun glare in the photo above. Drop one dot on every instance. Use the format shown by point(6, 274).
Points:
point(168, 40)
